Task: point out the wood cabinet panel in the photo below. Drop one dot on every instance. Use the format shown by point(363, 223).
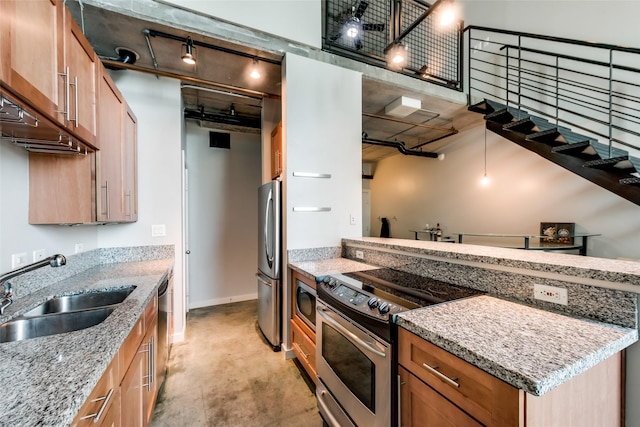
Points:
point(483, 396)
point(595, 397)
point(422, 406)
point(131, 394)
point(31, 42)
point(276, 151)
point(113, 415)
point(304, 348)
point(82, 63)
point(61, 189)
point(150, 384)
point(130, 165)
point(99, 403)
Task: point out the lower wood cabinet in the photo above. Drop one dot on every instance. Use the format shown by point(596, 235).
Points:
point(103, 403)
point(303, 338)
point(127, 391)
point(440, 389)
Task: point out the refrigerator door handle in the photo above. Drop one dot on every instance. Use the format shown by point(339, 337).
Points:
point(267, 227)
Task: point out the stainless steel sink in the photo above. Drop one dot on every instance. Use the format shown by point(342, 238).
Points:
point(83, 301)
point(25, 328)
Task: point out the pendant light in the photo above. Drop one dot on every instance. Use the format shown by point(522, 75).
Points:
point(485, 179)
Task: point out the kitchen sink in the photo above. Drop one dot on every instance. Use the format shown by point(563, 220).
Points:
point(83, 301)
point(25, 328)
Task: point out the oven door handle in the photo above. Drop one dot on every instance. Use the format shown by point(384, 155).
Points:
point(367, 345)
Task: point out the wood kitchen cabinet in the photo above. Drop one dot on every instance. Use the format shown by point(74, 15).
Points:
point(303, 338)
point(276, 151)
point(116, 159)
point(81, 70)
point(139, 387)
point(49, 63)
point(103, 405)
point(438, 388)
point(32, 46)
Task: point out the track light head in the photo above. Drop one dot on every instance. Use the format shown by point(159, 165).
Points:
point(189, 55)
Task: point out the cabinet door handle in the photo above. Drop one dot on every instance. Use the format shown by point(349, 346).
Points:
point(105, 403)
point(434, 370)
point(75, 87)
point(65, 111)
point(306, 356)
point(106, 198)
point(130, 209)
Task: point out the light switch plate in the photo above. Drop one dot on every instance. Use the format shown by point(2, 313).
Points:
point(158, 230)
point(18, 260)
point(79, 247)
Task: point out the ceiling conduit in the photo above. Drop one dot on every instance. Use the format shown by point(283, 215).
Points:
point(399, 145)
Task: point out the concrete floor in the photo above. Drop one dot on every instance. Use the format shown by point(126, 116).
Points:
point(225, 374)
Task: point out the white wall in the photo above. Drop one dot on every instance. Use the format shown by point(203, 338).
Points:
point(524, 190)
point(322, 134)
point(157, 105)
point(16, 235)
point(603, 21)
point(298, 20)
point(223, 217)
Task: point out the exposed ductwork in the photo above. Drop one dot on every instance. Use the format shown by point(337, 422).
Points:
point(399, 145)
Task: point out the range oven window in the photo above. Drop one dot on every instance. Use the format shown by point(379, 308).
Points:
point(306, 303)
point(351, 365)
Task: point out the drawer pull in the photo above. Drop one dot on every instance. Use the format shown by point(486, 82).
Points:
point(105, 402)
point(434, 370)
point(306, 356)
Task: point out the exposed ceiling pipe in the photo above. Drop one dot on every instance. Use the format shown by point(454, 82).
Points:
point(398, 145)
point(228, 119)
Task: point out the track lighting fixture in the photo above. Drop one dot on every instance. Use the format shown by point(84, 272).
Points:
point(255, 70)
point(353, 27)
point(189, 55)
point(397, 53)
point(397, 56)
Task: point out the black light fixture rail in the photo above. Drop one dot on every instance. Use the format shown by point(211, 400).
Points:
point(155, 33)
point(399, 146)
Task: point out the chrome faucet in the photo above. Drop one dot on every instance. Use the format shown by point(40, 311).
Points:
point(6, 297)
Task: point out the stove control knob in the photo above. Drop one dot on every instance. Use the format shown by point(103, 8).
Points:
point(373, 303)
point(332, 283)
point(384, 308)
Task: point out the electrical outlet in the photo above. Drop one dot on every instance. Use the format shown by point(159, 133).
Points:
point(79, 247)
point(38, 254)
point(18, 260)
point(352, 219)
point(550, 294)
point(158, 230)
point(360, 254)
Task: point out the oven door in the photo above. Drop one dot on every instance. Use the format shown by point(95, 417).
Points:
point(355, 368)
point(306, 303)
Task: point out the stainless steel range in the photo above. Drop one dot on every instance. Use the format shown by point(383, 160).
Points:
point(355, 357)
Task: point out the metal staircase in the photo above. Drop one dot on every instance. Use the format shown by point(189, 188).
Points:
point(574, 103)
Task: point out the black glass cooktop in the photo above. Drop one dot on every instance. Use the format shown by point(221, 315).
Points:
point(409, 290)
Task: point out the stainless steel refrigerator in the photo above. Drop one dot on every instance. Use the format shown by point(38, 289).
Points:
point(269, 263)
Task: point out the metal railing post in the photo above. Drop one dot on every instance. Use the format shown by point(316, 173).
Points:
point(610, 102)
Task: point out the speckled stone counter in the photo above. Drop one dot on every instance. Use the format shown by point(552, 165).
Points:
point(46, 380)
point(531, 349)
point(322, 267)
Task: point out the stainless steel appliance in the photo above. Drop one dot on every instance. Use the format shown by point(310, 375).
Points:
point(165, 311)
point(269, 269)
point(355, 355)
point(305, 303)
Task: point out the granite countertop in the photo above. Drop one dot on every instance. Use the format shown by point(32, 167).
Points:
point(531, 349)
point(46, 380)
point(313, 269)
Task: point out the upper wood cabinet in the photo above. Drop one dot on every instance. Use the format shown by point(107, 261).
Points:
point(276, 151)
point(81, 70)
point(31, 42)
point(49, 63)
point(116, 159)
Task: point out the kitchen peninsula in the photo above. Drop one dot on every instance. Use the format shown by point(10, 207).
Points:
point(539, 351)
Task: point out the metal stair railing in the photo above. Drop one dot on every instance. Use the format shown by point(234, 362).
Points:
point(588, 87)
